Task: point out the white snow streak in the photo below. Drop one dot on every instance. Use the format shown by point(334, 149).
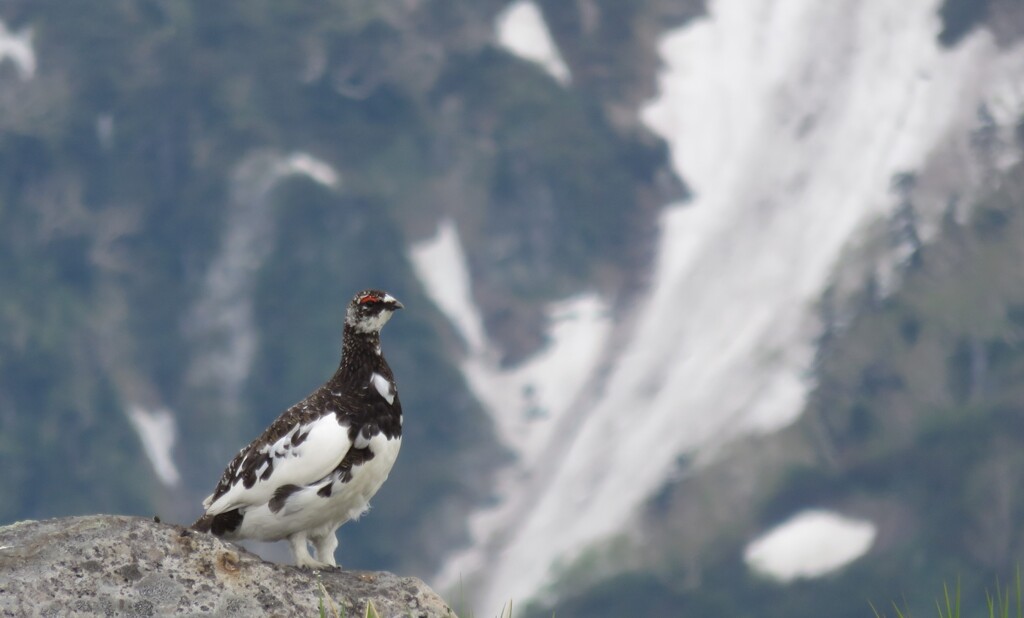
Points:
point(522, 30)
point(788, 119)
point(526, 400)
point(157, 431)
point(222, 324)
point(529, 399)
point(532, 402)
point(440, 265)
point(17, 46)
point(305, 164)
point(810, 544)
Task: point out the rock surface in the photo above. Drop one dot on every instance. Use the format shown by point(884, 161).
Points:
point(129, 566)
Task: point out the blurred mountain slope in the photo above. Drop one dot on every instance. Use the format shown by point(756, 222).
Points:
point(189, 193)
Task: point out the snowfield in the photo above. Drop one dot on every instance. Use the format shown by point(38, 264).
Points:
point(788, 119)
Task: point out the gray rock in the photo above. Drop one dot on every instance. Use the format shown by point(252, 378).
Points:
point(106, 565)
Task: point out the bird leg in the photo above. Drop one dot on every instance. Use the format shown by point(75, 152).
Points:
point(325, 544)
point(301, 552)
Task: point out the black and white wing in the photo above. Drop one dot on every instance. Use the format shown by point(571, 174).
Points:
point(298, 449)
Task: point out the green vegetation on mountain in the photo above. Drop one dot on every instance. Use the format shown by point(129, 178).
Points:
point(127, 161)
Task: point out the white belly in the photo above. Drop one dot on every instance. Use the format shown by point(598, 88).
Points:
point(351, 499)
point(307, 509)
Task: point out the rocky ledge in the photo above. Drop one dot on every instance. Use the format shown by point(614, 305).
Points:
point(129, 566)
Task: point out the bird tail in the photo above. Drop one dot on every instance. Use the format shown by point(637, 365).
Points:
point(222, 524)
point(203, 524)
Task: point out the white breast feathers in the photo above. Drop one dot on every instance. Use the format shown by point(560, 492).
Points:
point(384, 387)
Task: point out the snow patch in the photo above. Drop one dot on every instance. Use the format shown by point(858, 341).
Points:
point(157, 431)
point(440, 265)
point(17, 46)
point(305, 164)
point(521, 29)
point(810, 544)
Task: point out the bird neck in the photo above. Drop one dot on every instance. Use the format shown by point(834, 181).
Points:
point(360, 357)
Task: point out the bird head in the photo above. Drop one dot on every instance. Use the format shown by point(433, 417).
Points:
point(370, 310)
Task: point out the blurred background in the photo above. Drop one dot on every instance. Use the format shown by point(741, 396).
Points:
point(714, 307)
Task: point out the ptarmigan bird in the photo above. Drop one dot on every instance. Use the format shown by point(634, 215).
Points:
point(317, 466)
